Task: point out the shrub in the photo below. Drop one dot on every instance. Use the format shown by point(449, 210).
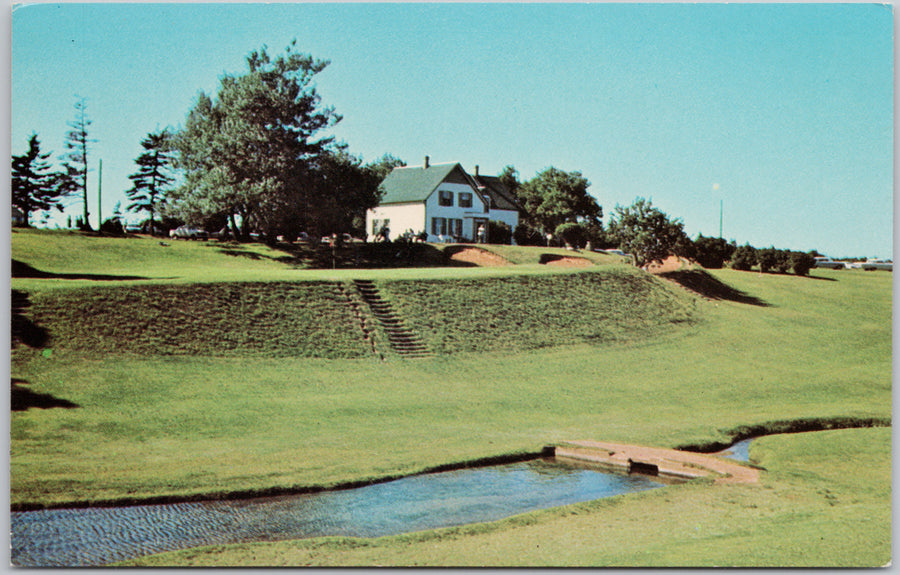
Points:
point(525, 235)
point(113, 227)
point(713, 252)
point(499, 232)
point(782, 261)
point(572, 233)
point(744, 258)
point(766, 259)
point(801, 263)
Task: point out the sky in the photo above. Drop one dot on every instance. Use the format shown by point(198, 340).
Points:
point(779, 115)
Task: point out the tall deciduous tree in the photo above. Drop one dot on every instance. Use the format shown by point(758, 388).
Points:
point(385, 165)
point(34, 185)
point(75, 160)
point(554, 197)
point(153, 178)
point(647, 232)
point(248, 153)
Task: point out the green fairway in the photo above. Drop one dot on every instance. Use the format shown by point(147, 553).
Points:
point(266, 388)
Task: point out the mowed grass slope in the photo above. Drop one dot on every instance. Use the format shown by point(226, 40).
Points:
point(307, 319)
point(109, 426)
point(530, 312)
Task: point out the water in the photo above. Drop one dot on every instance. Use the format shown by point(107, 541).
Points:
point(99, 536)
point(740, 451)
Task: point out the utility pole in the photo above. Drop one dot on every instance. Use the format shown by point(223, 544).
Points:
point(721, 206)
point(99, 193)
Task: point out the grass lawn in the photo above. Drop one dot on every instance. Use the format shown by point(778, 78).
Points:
point(103, 424)
point(824, 501)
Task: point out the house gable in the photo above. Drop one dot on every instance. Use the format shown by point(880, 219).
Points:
point(414, 185)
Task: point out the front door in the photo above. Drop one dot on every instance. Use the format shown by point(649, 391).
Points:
point(480, 230)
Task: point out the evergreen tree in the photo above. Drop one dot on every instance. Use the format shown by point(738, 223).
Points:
point(249, 153)
point(34, 185)
point(75, 161)
point(152, 180)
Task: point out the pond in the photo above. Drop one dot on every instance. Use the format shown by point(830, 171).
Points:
point(99, 536)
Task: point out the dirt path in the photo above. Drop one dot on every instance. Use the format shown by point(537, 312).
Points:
point(665, 462)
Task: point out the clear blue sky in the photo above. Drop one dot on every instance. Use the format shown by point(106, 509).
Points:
point(783, 112)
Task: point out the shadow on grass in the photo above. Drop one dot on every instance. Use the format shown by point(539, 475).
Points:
point(23, 270)
point(702, 283)
point(550, 258)
point(22, 328)
point(22, 398)
point(348, 255)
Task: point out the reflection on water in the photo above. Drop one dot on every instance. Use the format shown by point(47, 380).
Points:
point(80, 537)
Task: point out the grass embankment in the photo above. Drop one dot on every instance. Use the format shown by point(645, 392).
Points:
point(187, 425)
point(530, 312)
point(824, 501)
point(112, 426)
point(274, 319)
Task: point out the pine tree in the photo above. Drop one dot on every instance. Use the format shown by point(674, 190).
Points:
point(152, 180)
point(75, 161)
point(34, 185)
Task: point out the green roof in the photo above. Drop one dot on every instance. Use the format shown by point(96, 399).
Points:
point(410, 185)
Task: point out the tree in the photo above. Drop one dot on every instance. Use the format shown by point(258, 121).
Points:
point(712, 253)
point(248, 154)
point(744, 258)
point(75, 161)
point(152, 180)
point(554, 197)
point(342, 189)
point(34, 186)
point(646, 232)
point(767, 259)
point(801, 263)
point(574, 235)
point(525, 235)
point(385, 165)
point(509, 177)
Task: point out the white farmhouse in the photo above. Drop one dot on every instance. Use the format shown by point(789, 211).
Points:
point(442, 200)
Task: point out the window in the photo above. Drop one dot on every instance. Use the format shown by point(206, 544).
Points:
point(465, 200)
point(438, 226)
point(380, 225)
point(455, 227)
point(445, 198)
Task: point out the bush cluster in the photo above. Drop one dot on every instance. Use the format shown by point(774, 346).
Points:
point(772, 260)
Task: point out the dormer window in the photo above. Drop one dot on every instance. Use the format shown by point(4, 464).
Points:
point(445, 198)
point(465, 200)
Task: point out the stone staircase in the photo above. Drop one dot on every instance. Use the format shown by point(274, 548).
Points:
point(403, 341)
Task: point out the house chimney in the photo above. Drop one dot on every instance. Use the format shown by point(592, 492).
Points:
point(426, 162)
point(476, 170)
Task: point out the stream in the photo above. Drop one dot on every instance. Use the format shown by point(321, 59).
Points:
point(99, 536)
point(103, 535)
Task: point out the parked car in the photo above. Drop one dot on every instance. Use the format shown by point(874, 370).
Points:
point(828, 263)
point(188, 233)
point(877, 264)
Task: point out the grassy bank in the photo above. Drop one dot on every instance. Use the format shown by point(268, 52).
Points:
point(318, 319)
point(307, 319)
point(186, 425)
point(99, 422)
point(824, 501)
point(530, 312)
